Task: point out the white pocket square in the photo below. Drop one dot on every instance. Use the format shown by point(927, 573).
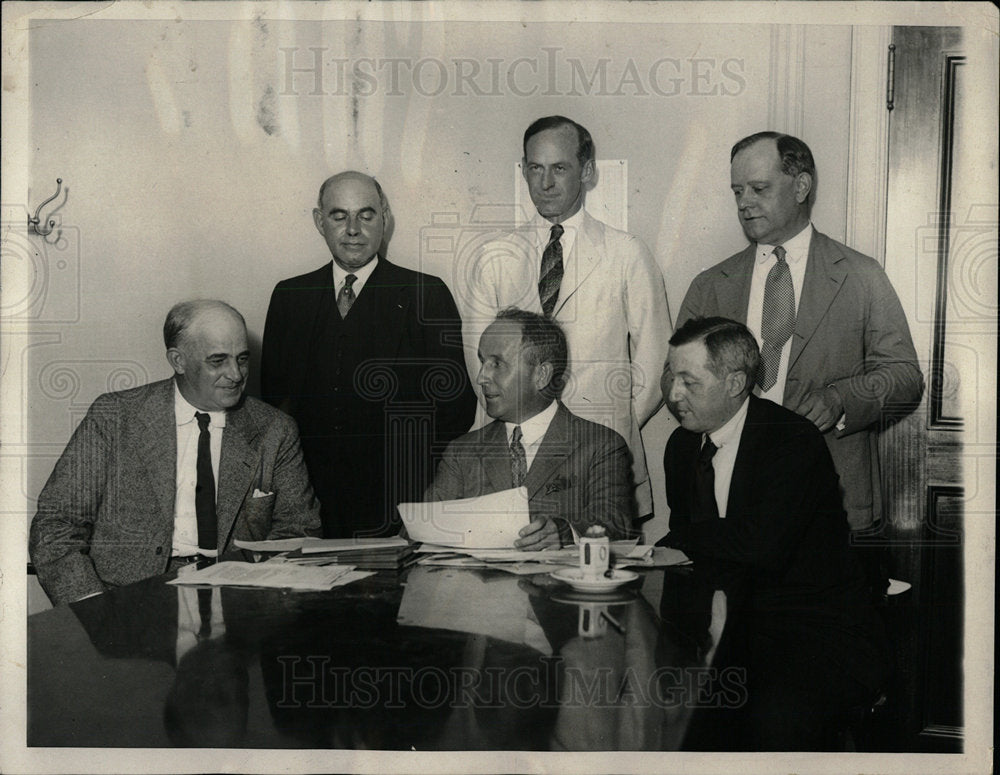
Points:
point(258, 494)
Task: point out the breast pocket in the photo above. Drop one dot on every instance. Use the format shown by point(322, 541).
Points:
point(254, 521)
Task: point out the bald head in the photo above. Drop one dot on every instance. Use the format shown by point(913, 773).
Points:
point(351, 215)
point(207, 348)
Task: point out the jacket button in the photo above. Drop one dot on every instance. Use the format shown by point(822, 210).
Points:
point(159, 550)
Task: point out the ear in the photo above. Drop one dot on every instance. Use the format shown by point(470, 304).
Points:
point(542, 375)
point(736, 383)
point(588, 171)
point(803, 185)
point(176, 360)
point(318, 220)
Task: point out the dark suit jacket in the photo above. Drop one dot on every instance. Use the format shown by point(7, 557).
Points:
point(784, 538)
point(581, 473)
point(850, 332)
point(369, 437)
point(106, 515)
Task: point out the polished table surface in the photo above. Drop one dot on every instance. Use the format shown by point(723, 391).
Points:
point(428, 659)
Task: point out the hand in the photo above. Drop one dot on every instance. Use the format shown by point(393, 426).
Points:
point(538, 534)
point(822, 407)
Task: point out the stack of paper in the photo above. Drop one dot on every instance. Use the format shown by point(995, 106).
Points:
point(393, 553)
point(274, 575)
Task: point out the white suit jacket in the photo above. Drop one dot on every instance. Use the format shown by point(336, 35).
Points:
point(613, 307)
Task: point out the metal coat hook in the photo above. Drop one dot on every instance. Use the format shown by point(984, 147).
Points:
point(35, 224)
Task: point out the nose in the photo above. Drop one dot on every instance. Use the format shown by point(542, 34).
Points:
point(548, 179)
point(353, 224)
point(743, 199)
point(481, 378)
point(671, 389)
point(235, 372)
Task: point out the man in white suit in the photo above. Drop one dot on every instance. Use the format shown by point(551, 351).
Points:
point(601, 284)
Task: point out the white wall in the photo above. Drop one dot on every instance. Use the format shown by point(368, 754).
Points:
point(192, 159)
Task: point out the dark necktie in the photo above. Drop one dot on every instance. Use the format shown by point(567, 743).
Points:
point(205, 614)
point(204, 491)
point(777, 320)
point(346, 296)
point(705, 507)
point(518, 462)
point(551, 273)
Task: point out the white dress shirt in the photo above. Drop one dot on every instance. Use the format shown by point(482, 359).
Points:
point(532, 432)
point(361, 275)
point(796, 256)
point(185, 541)
point(727, 439)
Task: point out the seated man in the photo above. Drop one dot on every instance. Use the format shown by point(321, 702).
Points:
point(753, 495)
point(134, 493)
point(577, 473)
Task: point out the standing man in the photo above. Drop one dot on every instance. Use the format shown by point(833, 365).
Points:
point(835, 346)
point(367, 357)
point(754, 498)
point(576, 472)
point(168, 473)
point(601, 285)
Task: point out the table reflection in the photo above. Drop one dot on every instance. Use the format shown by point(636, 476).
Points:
point(434, 659)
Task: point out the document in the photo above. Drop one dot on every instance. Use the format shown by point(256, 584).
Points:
point(488, 522)
point(271, 574)
point(276, 544)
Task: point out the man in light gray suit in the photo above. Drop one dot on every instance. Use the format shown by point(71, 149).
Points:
point(835, 345)
point(134, 493)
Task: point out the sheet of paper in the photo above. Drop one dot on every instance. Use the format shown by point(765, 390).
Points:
point(568, 555)
point(488, 522)
point(352, 544)
point(274, 575)
point(276, 544)
point(660, 557)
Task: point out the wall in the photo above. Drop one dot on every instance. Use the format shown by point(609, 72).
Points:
point(192, 151)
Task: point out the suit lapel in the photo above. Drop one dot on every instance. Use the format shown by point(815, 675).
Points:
point(556, 446)
point(237, 468)
point(156, 446)
point(733, 293)
point(496, 460)
point(820, 286)
point(587, 254)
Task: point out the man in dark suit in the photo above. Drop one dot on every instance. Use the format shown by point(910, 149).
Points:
point(753, 494)
point(367, 357)
point(169, 472)
point(577, 472)
point(835, 344)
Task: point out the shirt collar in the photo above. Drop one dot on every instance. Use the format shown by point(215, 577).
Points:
point(184, 412)
point(730, 432)
point(796, 248)
point(535, 427)
point(571, 227)
point(362, 274)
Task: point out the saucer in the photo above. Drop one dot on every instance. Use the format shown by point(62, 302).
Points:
point(575, 578)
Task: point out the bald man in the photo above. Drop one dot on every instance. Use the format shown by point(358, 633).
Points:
point(172, 472)
point(367, 357)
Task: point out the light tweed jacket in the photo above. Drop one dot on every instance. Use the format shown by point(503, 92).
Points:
point(106, 515)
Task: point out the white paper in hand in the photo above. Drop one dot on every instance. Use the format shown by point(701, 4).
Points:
point(488, 522)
